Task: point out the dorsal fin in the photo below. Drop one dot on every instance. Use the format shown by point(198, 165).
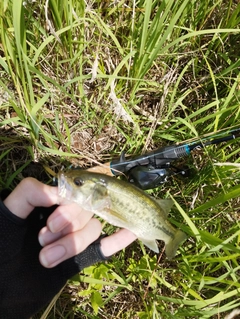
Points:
point(165, 204)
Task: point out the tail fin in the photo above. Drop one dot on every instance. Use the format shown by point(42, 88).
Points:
point(172, 245)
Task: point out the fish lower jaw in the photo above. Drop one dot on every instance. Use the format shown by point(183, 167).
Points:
point(64, 193)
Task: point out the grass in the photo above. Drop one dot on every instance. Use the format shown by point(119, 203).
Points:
point(83, 81)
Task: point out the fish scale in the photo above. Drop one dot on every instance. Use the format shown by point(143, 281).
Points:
point(147, 205)
point(124, 205)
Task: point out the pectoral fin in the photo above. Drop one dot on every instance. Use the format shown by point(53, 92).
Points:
point(152, 244)
point(118, 216)
point(100, 198)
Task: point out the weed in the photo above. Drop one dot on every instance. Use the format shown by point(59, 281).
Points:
point(82, 81)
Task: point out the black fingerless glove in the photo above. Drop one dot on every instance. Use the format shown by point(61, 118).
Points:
point(25, 285)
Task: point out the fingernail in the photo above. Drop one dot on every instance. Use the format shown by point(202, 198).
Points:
point(54, 190)
point(57, 224)
point(51, 256)
point(41, 240)
point(45, 237)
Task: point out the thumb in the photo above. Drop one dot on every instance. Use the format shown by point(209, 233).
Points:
point(28, 194)
point(117, 241)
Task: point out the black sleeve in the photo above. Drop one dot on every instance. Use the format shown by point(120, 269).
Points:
point(25, 285)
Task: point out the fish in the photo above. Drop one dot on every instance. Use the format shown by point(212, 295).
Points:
point(124, 205)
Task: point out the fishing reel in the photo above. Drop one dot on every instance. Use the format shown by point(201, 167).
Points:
point(150, 170)
point(146, 177)
point(153, 169)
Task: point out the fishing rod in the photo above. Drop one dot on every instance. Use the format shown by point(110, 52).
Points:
point(152, 169)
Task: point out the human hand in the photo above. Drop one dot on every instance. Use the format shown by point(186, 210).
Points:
point(68, 234)
point(69, 230)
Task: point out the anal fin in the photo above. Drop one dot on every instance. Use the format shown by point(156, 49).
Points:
point(152, 244)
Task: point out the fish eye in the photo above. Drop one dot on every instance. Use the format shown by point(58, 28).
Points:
point(78, 181)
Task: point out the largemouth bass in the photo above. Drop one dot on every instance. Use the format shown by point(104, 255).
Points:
point(124, 205)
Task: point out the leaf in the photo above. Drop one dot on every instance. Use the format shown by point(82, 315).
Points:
point(96, 301)
point(187, 219)
point(4, 64)
point(234, 192)
point(39, 104)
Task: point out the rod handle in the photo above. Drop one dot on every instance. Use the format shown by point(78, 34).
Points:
point(103, 169)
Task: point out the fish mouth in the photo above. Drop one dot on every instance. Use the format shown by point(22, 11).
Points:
point(65, 190)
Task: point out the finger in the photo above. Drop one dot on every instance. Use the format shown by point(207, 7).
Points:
point(73, 223)
point(64, 220)
point(70, 245)
point(117, 241)
point(28, 194)
point(46, 237)
point(67, 215)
